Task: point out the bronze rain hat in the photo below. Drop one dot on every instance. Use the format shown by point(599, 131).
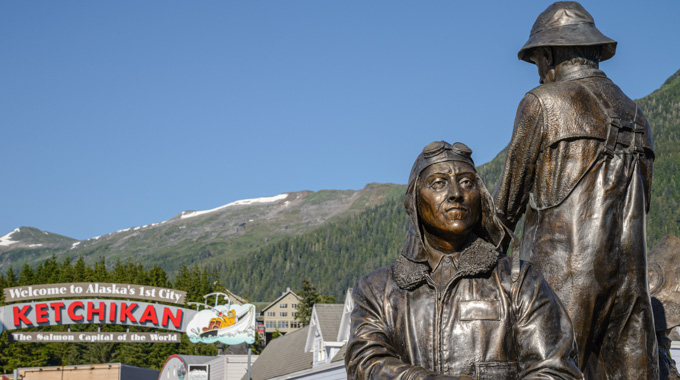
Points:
point(566, 23)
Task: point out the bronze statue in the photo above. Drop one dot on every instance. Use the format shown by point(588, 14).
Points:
point(579, 166)
point(452, 306)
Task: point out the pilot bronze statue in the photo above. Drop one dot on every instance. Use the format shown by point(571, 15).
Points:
point(579, 167)
point(452, 306)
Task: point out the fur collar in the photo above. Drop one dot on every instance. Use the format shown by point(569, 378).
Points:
point(477, 257)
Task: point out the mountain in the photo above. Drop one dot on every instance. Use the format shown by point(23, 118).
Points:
point(202, 237)
point(662, 108)
point(28, 244)
point(259, 247)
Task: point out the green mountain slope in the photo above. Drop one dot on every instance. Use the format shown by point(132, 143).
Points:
point(662, 108)
point(198, 237)
point(28, 244)
point(333, 256)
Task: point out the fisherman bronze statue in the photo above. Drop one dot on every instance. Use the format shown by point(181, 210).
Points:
point(452, 306)
point(579, 168)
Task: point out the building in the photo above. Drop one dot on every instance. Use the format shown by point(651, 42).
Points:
point(236, 300)
point(282, 356)
point(113, 371)
point(322, 338)
point(316, 351)
point(222, 367)
point(280, 314)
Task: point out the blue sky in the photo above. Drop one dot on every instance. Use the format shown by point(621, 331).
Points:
point(123, 113)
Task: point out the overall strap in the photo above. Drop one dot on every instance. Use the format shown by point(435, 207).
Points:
point(617, 126)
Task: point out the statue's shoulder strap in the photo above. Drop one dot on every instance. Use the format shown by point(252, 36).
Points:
point(618, 124)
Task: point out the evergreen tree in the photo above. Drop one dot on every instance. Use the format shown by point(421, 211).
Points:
point(310, 296)
point(100, 274)
point(81, 272)
point(66, 271)
point(12, 279)
point(26, 276)
point(157, 277)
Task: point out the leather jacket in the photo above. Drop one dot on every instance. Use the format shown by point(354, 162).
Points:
point(483, 324)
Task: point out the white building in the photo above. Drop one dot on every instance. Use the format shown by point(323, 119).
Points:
point(316, 351)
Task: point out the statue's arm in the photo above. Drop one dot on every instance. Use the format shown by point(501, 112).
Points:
point(370, 353)
point(544, 334)
point(517, 178)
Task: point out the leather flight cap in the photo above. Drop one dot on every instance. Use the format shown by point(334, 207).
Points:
point(440, 151)
point(566, 23)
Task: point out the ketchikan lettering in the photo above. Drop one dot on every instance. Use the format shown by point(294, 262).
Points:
point(97, 312)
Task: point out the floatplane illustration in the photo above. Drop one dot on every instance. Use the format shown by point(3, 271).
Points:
point(222, 322)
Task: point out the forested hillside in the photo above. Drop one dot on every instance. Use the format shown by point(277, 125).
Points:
point(662, 109)
point(334, 256)
point(205, 237)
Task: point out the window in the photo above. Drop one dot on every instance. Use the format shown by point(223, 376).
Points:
point(271, 324)
point(294, 314)
point(271, 314)
point(294, 305)
point(283, 305)
point(295, 325)
point(283, 314)
point(283, 324)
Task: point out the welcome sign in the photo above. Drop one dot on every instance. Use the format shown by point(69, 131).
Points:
point(223, 322)
point(125, 311)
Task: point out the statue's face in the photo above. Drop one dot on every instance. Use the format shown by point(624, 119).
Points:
point(448, 200)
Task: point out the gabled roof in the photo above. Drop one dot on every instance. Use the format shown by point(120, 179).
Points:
point(345, 322)
point(325, 320)
point(282, 356)
point(234, 298)
point(329, 316)
point(288, 291)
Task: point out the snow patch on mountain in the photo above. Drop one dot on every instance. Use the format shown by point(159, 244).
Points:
point(7, 239)
point(191, 214)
